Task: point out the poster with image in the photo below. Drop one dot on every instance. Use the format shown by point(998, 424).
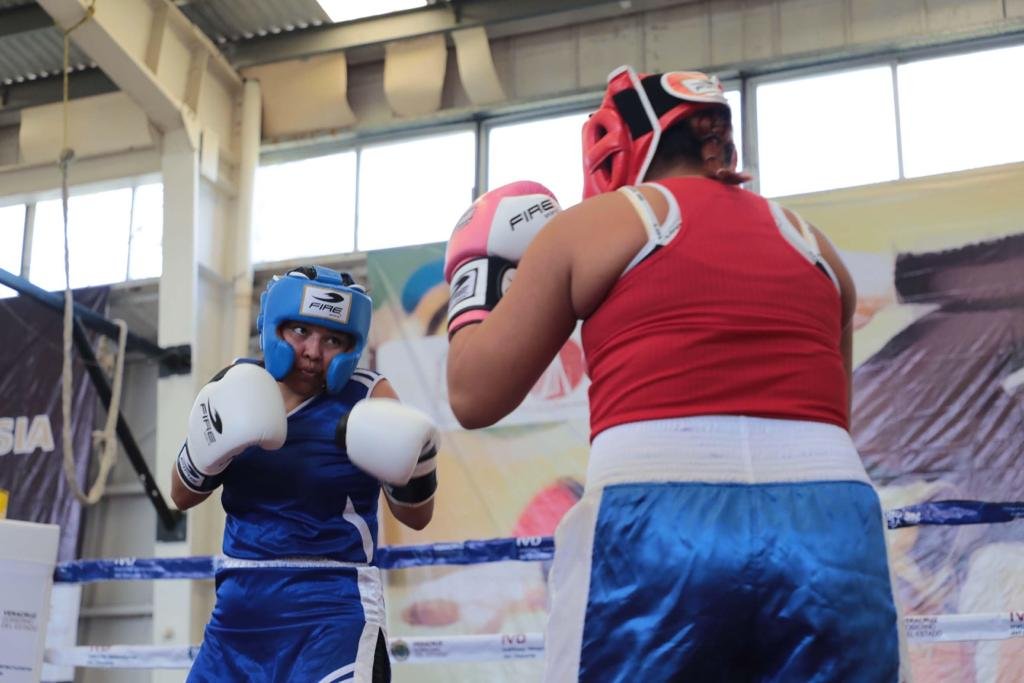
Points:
point(514, 479)
point(938, 414)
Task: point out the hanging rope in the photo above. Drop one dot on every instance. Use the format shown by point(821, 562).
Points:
point(105, 440)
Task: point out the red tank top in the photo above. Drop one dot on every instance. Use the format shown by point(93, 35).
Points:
point(726, 319)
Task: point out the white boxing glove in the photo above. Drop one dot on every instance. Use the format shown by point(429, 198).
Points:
point(241, 407)
point(394, 443)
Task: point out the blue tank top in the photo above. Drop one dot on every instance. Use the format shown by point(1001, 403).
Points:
point(305, 499)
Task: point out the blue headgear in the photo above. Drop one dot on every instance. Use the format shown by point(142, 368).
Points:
point(319, 296)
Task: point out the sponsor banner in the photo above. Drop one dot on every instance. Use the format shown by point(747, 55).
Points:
point(937, 411)
point(417, 369)
point(31, 455)
point(516, 479)
point(27, 556)
point(409, 344)
point(937, 415)
point(482, 648)
point(964, 627)
point(498, 647)
point(123, 657)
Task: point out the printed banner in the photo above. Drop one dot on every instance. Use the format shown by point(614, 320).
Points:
point(32, 483)
point(937, 413)
point(515, 479)
point(410, 345)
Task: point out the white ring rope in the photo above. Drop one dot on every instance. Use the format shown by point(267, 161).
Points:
point(941, 628)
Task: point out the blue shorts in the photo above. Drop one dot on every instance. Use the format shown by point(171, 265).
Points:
point(685, 581)
point(282, 624)
point(328, 653)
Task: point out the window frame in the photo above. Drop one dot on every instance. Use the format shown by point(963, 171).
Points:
point(397, 139)
point(891, 58)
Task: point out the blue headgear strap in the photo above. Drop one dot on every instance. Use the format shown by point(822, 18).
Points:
point(319, 296)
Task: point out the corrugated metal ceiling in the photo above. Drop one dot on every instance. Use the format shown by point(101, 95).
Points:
point(232, 20)
point(38, 53)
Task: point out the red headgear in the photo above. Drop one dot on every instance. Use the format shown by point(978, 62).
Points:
point(621, 137)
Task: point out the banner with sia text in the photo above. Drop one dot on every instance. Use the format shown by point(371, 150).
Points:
point(32, 483)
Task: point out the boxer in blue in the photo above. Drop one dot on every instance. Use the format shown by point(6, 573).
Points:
point(302, 444)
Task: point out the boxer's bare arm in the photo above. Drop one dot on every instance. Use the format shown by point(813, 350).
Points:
point(848, 297)
point(849, 302)
point(563, 276)
point(182, 497)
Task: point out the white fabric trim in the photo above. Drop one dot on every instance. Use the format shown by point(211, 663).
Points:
point(339, 674)
point(368, 378)
point(801, 238)
point(222, 562)
point(371, 595)
point(355, 519)
point(569, 583)
point(366, 654)
point(658, 233)
point(724, 449)
point(303, 404)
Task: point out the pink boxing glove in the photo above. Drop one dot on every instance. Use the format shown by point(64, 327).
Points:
point(486, 246)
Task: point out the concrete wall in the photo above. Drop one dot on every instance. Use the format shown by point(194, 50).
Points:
point(730, 37)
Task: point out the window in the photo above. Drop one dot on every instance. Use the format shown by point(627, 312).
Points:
point(824, 132)
point(962, 111)
point(145, 255)
point(413, 191)
point(304, 208)
point(548, 151)
point(98, 227)
point(12, 235)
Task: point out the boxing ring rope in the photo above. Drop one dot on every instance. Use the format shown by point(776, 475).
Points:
point(499, 646)
point(511, 646)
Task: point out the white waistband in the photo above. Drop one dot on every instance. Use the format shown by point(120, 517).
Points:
point(724, 449)
point(225, 562)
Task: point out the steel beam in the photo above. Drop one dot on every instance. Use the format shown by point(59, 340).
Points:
point(111, 37)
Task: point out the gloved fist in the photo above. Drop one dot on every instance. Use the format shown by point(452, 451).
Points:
point(394, 443)
point(241, 407)
point(486, 246)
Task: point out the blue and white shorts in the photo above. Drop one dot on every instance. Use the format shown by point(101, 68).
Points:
point(323, 625)
point(724, 548)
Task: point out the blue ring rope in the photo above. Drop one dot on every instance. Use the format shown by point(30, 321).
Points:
point(530, 549)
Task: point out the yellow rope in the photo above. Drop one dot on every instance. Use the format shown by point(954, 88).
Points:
point(104, 439)
point(89, 12)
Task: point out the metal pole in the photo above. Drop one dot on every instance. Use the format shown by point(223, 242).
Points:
point(169, 517)
point(173, 361)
